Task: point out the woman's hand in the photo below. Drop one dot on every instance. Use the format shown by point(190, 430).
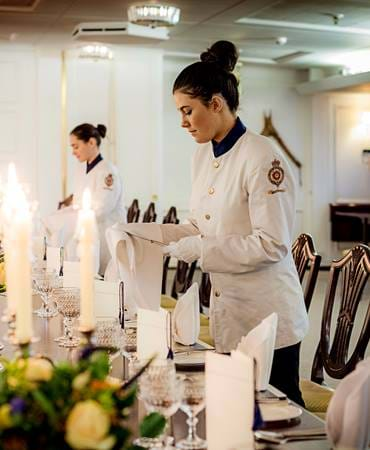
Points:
point(187, 249)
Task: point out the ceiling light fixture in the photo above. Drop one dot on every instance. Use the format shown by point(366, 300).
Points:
point(153, 14)
point(96, 52)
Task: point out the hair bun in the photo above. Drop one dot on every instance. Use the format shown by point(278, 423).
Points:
point(223, 53)
point(102, 130)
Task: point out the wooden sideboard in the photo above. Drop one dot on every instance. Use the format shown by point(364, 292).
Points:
point(350, 222)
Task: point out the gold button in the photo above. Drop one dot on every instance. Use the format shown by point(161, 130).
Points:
point(207, 216)
point(216, 164)
point(211, 191)
point(217, 293)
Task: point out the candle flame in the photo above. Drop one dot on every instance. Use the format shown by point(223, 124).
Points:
point(86, 199)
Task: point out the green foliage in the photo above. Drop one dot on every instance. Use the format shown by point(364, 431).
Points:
point(152, 425)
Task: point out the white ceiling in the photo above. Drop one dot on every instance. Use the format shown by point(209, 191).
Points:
point(204, 21)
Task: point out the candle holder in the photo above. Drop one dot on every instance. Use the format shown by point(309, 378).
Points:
point(24, 347)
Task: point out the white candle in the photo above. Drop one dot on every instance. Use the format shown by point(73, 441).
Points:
point(18, 252)
point(87, 236)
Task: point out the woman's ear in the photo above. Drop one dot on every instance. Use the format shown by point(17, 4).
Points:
point(217, 103)
point(92, 142)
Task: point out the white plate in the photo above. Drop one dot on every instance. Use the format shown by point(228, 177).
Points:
point(273, 412)
point(195, 359)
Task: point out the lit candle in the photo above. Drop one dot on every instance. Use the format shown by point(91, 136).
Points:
point(18, 252)
point(87, 236)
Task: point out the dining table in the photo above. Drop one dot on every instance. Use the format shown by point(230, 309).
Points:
point(47, 329)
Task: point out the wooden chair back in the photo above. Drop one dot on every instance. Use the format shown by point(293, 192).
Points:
point(183, 278)
point(305, 257)
point(133, 212)
point(66, 202)
point(205, 290)
point(150, 215)
point(332, 353)
point(170, 217)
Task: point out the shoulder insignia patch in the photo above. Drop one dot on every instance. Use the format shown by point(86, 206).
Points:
point(109, 180)
point(276, 176)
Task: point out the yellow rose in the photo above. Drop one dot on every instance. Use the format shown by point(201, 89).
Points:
point(87, 427)
point(81, 381)
point(5, 421)
point(38, 369)
point(2, 273)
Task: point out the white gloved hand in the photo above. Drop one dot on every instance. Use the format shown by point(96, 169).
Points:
point(187, 249)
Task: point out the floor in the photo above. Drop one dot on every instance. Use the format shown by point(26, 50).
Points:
point(310, 342)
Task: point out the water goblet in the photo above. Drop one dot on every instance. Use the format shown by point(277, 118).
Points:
point(108, 334)
point(44, 282)
point(129, 344)
point(192, 403)
point(161, 391)
point(68, 304)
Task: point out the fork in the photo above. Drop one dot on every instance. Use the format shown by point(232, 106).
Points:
point(284, 437)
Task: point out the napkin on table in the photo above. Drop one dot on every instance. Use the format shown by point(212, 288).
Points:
point(348, 415)
point(186, 317)
point(139, 263)
point(259, 344)
point(229, 400)
point(153, 333)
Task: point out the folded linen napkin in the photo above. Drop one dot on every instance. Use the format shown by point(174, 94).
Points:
point(186, 317)
point(153, 333)
point(259, 344)
point(348, 415)
point(138, 262)
point(229, 401)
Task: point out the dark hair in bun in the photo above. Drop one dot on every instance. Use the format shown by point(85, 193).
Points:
point(86, 131)
point(212, 75)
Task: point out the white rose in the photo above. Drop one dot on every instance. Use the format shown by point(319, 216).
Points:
point(81, 381)
point(87, 427)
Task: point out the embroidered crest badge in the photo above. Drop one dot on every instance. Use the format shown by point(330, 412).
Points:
point(109, 180)
point(276, 176)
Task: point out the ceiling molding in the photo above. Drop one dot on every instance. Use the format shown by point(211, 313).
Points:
point(244, 59)
point(335, 83)
point(22, 6)
point(302, 26)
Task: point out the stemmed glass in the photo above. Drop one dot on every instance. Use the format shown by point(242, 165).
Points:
point(192, 403)
point(68, 304)
point(161, 391)
point(108, 334)
point(44, 283)
point(129, 344)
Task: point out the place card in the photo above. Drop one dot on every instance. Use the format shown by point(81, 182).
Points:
point(153, 333)
point(229, 401)
point(53, 259)
point(106, 298)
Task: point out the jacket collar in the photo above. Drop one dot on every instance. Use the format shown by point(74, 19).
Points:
point(90, 166)
point(220, 148)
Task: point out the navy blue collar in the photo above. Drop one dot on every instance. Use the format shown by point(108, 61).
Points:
point(90, 166)
point(220, 148)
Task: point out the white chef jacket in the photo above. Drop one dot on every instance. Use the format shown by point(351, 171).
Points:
point(106, 189)
point(243, 205)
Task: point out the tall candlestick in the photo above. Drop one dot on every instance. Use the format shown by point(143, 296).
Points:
point(87, 237)
point(18, 252)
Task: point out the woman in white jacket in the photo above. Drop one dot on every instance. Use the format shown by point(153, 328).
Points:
point(242, 213)
point(102, 179)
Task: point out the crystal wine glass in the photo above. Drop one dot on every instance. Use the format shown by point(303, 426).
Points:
point(68, 304)
point(129, 344)
point(44, 283)
point(108, 334)
point(192, 403)
point(161, 391)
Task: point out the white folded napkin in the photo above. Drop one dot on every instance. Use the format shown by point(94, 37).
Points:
point(229, 401)
point(139, 263)
point(106, 298)
point(153, 333)
point(259, 344)
point(71, 274)
point(348, 415)
point(186, 317)
point(53, 260)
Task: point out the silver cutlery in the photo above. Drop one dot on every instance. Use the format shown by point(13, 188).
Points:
point(287, 436)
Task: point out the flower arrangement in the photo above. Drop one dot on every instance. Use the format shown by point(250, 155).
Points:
point(66, 406)
point(2, 271)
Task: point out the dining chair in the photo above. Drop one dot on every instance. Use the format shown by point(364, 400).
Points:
point(204, 291)
point(66, 202)
point(333, 355)
point(170, 217)
point(183, 278)
point(133, 212)
point(150, 215)
point(307, 261)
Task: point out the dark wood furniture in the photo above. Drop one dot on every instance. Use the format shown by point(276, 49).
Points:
point(350, 222)
point(332, 353)
point(66, 202)
point(183, 278)
point(133, 212)
point(150, 215)
point(205, 290)
point(170, 217)
point(307, 261)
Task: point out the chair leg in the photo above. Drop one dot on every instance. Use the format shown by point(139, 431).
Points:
point(317, 372)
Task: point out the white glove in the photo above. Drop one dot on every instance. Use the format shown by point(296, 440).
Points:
point(187, 249)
